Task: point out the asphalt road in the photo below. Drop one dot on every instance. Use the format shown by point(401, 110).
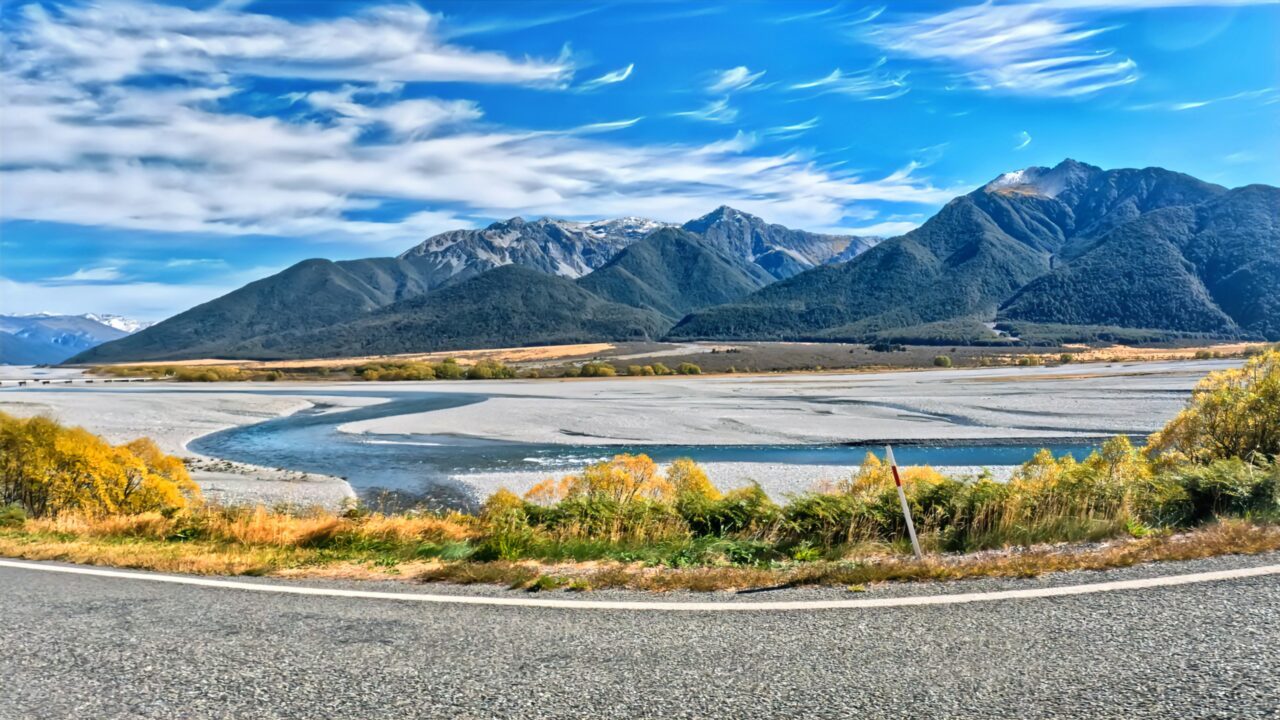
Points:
point(73, 646)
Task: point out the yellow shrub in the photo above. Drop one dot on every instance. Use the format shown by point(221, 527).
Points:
point(874, 475)
point(550, 491)
point(687, 480)
point(1232, 413)
point(623, 479)
point(47, 468)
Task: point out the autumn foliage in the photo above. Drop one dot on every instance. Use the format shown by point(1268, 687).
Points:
point(1232, 413)
point(47, 468)
point(1215, 460)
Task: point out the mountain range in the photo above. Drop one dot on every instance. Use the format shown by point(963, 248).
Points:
point(46, 338)
point(1074, 247)
point(661, 269)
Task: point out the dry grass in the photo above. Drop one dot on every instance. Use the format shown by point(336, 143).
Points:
point(1122, 353)
point(138, 542)
point(192, 558)
point(1224, 538)
point(464, 357)
point(260, 527)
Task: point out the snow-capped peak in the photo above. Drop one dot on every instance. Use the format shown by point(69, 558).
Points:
point(1043, 181)
point(562, 247)
point(119, 322)
point(629, 227)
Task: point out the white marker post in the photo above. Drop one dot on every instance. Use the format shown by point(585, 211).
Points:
point(902, 495)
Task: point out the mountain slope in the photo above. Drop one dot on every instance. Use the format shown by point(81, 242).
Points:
point(508, 306)
point(962, 264)
point(321, 293)
point(318, 293)
point(673, 272)
point(46, 338)
point(1213, 267)
point(781, 251)
point(310, 294)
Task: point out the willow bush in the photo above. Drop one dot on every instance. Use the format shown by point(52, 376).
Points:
point(47, 468)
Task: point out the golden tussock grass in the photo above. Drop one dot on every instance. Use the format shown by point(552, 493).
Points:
point(54, 540)
point(157, 555)
point(465, 357)
point(1223, 538)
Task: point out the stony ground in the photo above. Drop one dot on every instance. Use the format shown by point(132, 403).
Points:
point(950, 405)
point(79, 646)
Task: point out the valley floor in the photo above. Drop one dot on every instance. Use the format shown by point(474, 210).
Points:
point(1032, 404)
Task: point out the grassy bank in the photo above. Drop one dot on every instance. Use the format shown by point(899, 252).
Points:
point(1208, 483)
point(747, 358)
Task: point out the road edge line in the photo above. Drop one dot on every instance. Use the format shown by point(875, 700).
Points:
point(682, 606)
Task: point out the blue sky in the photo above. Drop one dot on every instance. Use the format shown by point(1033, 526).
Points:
point(153, 156)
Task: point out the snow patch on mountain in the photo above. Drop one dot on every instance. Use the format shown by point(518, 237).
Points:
point(1043, 181)
point(119, 322)
point(558, 247)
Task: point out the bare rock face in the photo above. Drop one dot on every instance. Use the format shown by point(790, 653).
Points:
point(556, 247)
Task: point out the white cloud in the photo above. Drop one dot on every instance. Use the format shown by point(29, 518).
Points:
point(129, 156)
point(1265, 96)
point(733, 80)
point(793, 130)
point(1121, 5)
point(836, 14)
point(1043, 47)
point(98, 274)
point(872, 83)
point(114, 40)
point(605, 126)
point(1032, 48)
point(1023, 140)
point(716, 111)
point(137, 300)
point(416, 117)
point(888, 229)
point(609, 78)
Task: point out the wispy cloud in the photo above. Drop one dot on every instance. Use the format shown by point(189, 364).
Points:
point(609, 78)
point(1022, 140)
point(793, 130)
point(138, 300)
point(717, 111)
point(98, 274)
point(733, 80)
point(810, 15)
point(873, 83)
point(119, 39)
point(452, 28)
point(1032, 48)
point(838, 14)
point(1265, 96)
point(88, 146)
point(926, 156)
point(605, 126)
point(1048, 48)
point(351, 105)
point(195, 262)
point(886, 229)
point(693, 12)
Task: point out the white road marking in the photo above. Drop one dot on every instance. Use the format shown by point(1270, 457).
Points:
point(544, 602)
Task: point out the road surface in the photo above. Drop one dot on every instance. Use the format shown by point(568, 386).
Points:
point(77, 646)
